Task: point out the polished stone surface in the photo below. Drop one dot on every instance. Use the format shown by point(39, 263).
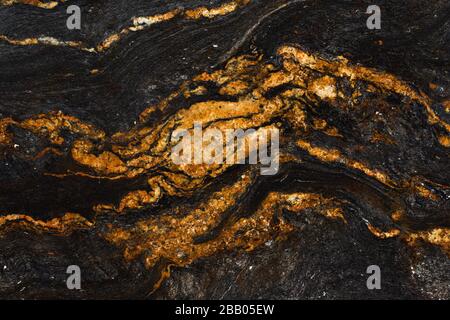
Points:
point(86, 176)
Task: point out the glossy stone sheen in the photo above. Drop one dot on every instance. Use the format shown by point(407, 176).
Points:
point(87, 178)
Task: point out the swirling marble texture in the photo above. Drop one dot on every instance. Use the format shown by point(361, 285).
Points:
point(86, 176)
